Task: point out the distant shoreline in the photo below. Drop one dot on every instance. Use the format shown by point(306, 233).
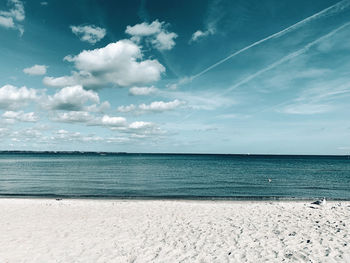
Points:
point(146, 153)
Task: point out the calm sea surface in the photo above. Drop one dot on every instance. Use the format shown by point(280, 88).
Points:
point(174, 176)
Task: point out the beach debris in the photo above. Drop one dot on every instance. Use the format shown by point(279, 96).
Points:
point(58, 199)
point(321, 202)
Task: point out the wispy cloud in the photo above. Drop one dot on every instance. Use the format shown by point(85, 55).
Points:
point(155, 34)
point(320, 99)
point(215, 13)
point(36, 70)
point(287, 58)
point(89, 33)
point(334, 9)
point(14, 16)
point(142, 91)
point(154, 107)
point(21, 116)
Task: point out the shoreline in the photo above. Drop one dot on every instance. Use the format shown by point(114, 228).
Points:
point(199, 199)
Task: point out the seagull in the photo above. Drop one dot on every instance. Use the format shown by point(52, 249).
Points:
point(270, 180)
point(320, 202)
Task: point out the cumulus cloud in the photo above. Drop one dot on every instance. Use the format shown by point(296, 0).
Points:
point(120, 124)
point(154, 33)
point(164, 41)
point(13, 116)
point(118, 63)
point(12, 97)
point(89, 33)
point(160, 106)
point(113, 121)
point(7, 22)
point(140, 129)
point(72, 99)
point(74, 117)
point(63, 135)
point(198, 35)
point(36, 70)
point(128, 108)
point(142, 91)
point(156, 106)
point(13, 17)
point(144, 29)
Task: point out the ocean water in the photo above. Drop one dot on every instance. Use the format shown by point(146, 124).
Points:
point(174, 176)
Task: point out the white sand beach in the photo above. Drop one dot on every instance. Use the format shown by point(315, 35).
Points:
point(42, 230)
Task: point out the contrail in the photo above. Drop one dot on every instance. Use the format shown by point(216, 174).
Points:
point(282, 60)
point(286, 58)
point(330, 10)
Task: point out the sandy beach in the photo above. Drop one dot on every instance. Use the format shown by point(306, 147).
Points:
point(42, 230)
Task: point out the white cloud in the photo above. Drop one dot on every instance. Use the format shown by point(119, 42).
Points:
point(160, 106)
point(154, 33)
point(12, 97)
point(142, 91)
point(89, 33)
point(200, 100)
point(144, 29)
point(10, 18)
point(72, 99)
point(74, 117)
point(198, 35)
point(7, 22)
point(98, 107)
point(36, 70)
point(172, 86)
point(140, 129)
point(140, 125)
point(126, 109)
point(156, 106)
point(306, 109)
point(137, 129)
point(63, 135)
point(164, 41)
point(118, 63)
point(113, 121)
point(75, 79)
point(20, 116)
point(319, 99)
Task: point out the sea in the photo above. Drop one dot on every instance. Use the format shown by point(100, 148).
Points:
point(173, 176)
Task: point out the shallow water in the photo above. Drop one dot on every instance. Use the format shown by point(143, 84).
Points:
point(175, 176)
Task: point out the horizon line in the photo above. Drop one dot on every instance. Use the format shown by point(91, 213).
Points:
point(163, 153)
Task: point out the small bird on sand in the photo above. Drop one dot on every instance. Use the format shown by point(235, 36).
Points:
point(320, 202)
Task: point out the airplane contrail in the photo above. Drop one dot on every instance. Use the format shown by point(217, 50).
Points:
point(330, 10)
point(287, 57)
point(282, 60)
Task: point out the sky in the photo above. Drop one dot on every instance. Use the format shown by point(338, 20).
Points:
point(194, 76)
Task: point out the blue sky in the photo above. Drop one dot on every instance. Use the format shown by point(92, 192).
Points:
point(216, 76)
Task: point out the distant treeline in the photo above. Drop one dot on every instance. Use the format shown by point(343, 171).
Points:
point(62, 152)
point(175, 154)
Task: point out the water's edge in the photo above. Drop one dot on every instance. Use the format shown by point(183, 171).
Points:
point(172, 198)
